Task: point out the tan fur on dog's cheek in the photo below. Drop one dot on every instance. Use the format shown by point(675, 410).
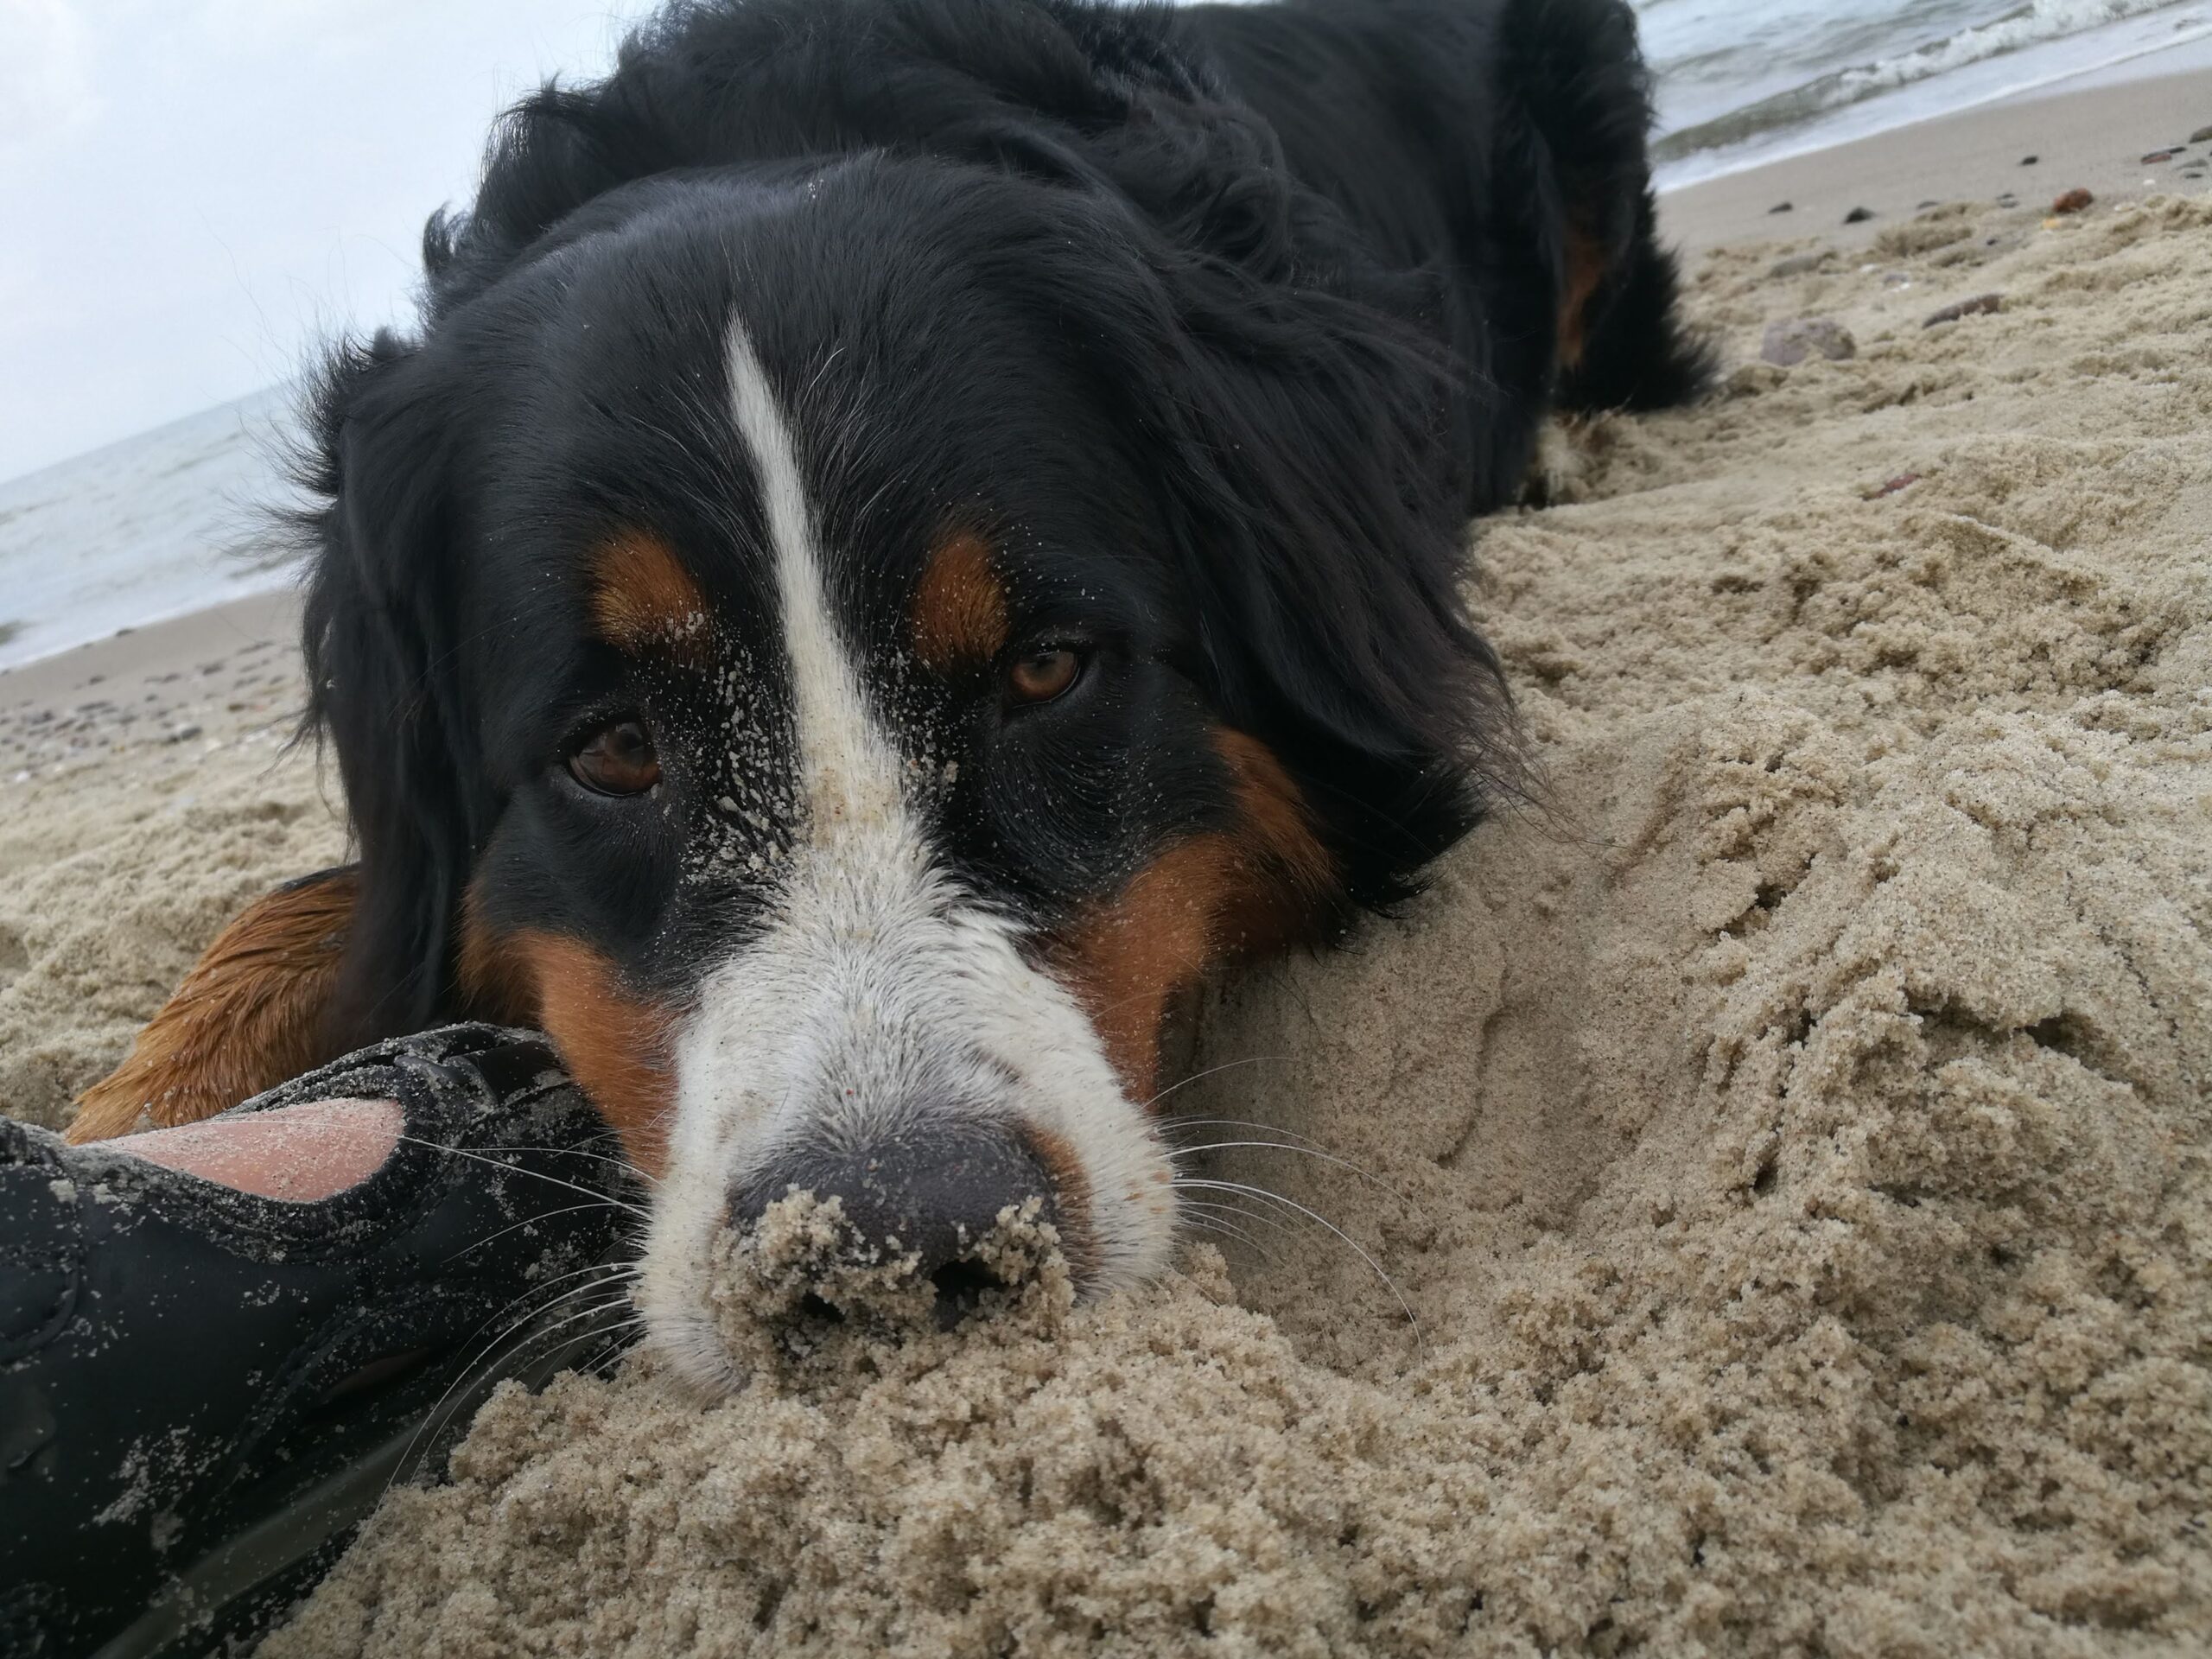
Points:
point(1256, 887)
point(616, 1044)
point(249, 1015)
point(498, 983)
point(1129, 958)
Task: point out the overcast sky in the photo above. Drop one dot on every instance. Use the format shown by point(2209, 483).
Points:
point(193, 192)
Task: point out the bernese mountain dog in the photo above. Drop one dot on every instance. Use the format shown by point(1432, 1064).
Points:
point(907, 533)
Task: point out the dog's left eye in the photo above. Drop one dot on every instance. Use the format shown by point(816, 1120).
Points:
point(1043, 674)
point(616, 759)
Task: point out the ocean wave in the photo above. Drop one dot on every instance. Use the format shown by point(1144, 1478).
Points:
point(2030, 25)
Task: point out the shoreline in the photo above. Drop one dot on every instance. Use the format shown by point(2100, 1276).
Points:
point(124, 667)
point(2091, 137)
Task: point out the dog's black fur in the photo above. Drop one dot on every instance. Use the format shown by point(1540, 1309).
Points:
point(1276, 293)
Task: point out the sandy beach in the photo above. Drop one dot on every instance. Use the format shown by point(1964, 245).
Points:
point(1782, 1203)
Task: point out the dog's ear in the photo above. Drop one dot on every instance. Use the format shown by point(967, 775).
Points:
point(252, 1013)
point(1311, 445)
point(383, 673)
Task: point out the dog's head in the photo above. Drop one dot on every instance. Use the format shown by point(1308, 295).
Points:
point(847, 650)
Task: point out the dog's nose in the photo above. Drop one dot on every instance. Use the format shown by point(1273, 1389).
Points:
point(935, 1195)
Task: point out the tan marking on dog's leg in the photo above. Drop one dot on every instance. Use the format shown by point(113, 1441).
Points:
point(1584, 270)
point(247, 1017)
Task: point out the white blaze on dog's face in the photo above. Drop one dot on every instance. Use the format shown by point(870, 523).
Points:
point(876, 1007)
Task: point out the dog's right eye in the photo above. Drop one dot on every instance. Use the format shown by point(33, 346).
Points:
point(616, 759)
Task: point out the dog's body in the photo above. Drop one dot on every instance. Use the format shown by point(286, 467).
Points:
point(912, 530)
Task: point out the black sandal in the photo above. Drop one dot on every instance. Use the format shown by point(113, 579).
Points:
point(204, 1391)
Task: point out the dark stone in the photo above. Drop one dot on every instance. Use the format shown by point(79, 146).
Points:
point(2202, 135)
point(2073, 202)
point(1784, 208)
point(2156, 156)
point(1980, 305)
point(2030, 160)
point(1791, 340)
point(1859, 216)
point(1925, 206)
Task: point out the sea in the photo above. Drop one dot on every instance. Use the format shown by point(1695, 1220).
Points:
point(180, 517)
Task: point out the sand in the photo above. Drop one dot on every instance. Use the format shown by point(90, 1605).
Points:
point(1790, 1145)
point(147, 794)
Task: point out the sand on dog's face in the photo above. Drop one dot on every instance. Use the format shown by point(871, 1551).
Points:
point(1793, 1147)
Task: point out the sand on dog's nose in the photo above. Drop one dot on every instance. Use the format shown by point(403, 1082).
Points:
point(794, 1294)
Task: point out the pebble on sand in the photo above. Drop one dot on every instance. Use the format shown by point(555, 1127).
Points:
point(2030, 160)
point(1859, 216)
point(1980, 305)
point(2073, 202)
point(2202, 135)
point(2166, 155)
point(1782, 207)
point(1891, 486)
point(1790, 340)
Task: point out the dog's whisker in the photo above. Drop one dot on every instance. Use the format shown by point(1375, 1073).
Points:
point(435, 1420)
point(577, 1151)
point(639, 1211)
point(1303, 1152)
point(546, 1215)
point(1212, 1223)
point(1420, 1343)
point(1213, 1071)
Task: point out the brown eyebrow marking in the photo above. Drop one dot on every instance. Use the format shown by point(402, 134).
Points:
point(643, 599)
point(960, 610)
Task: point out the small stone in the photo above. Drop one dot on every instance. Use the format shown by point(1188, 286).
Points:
point(1798, 264)
point(2030, 160)
point(1925, 206)
point(1791, 340)
point(1891, 486)
point(1784, 208)
point(1859, 216)
point(184, 734)
point(2156, 156)
point(2073, 202)
point(1980, 305)
point(2202, 135)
